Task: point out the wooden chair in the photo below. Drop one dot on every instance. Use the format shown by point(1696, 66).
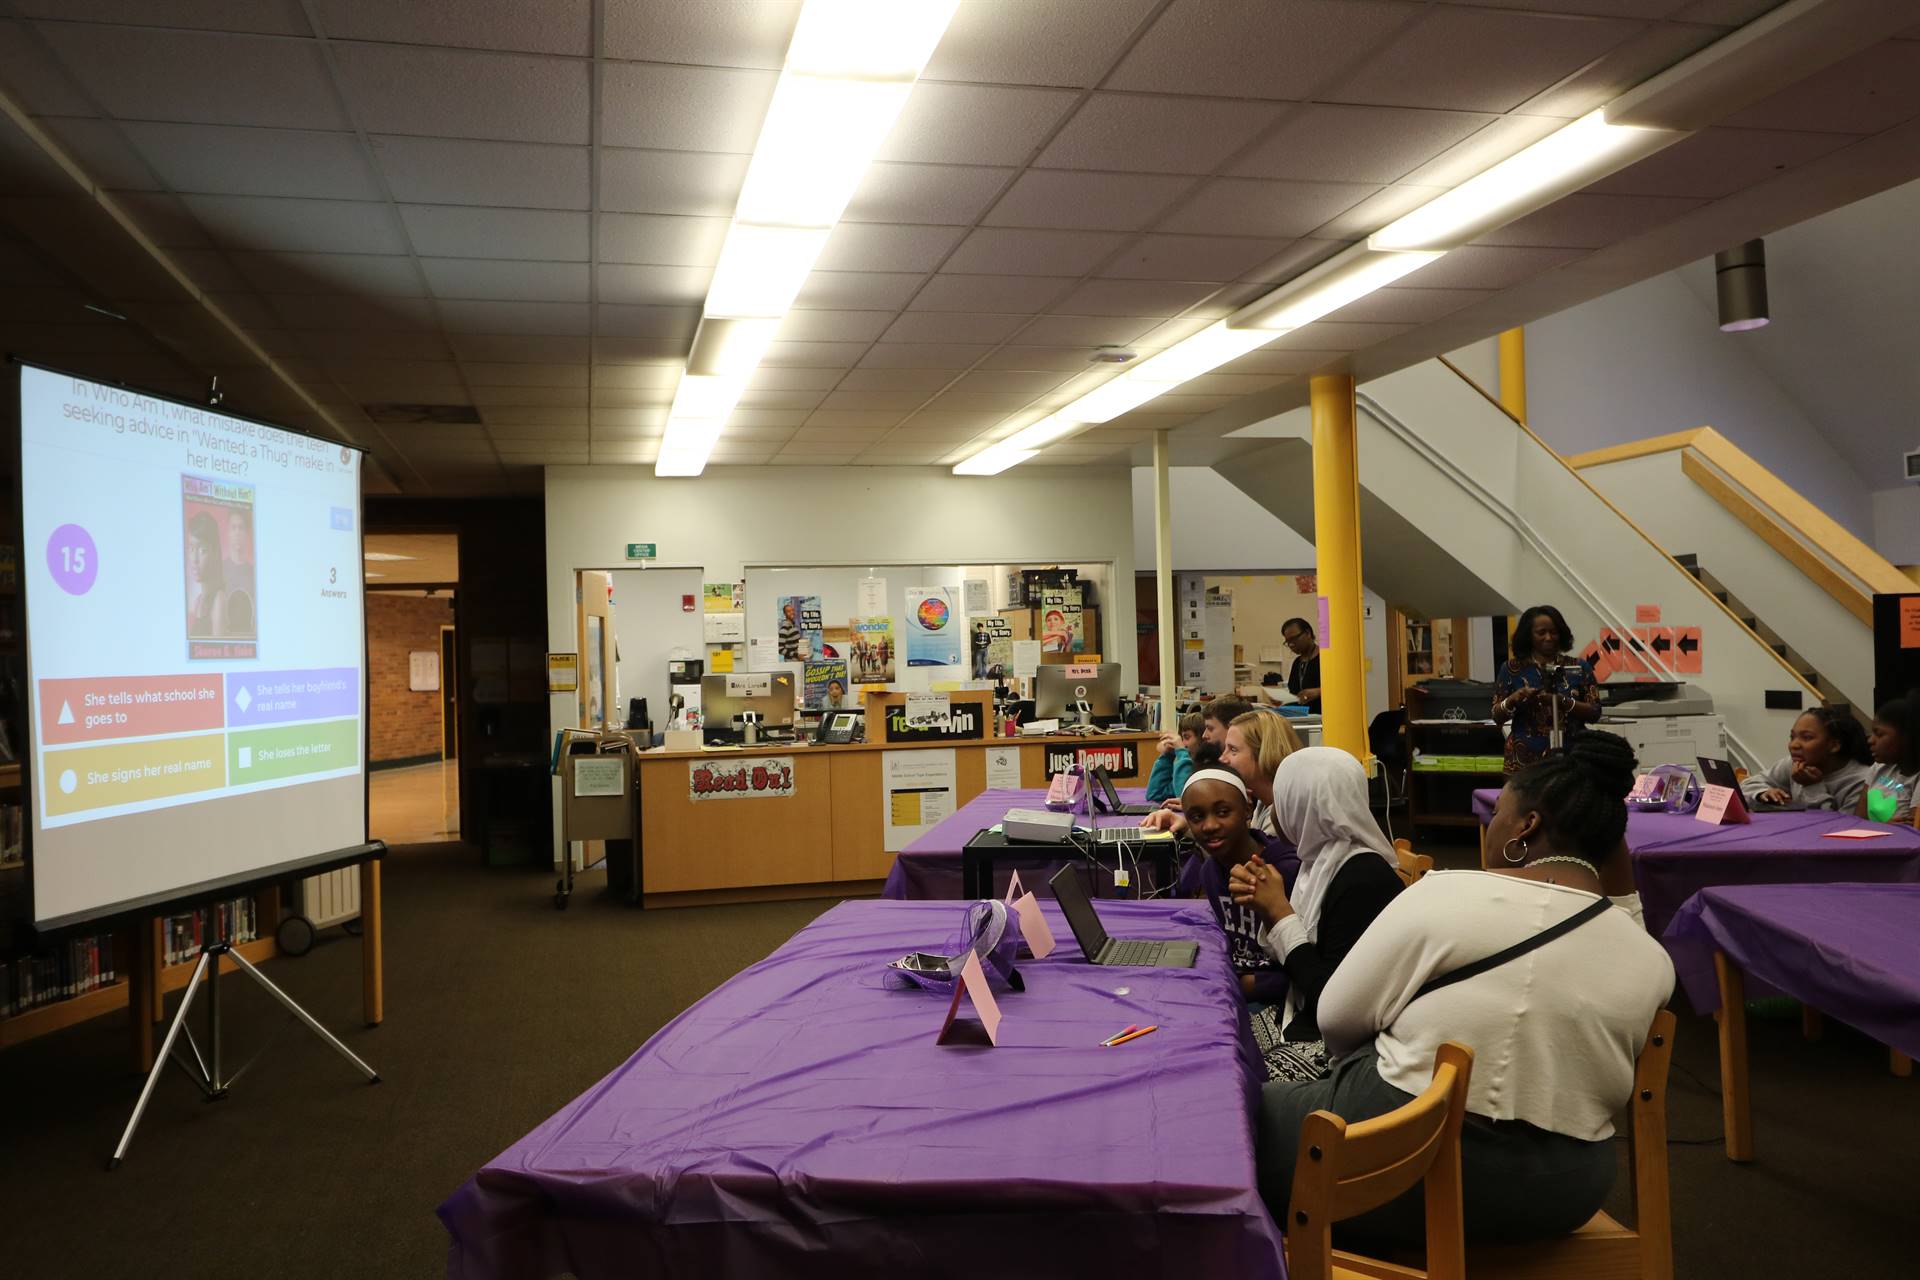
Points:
point(1344, 1170)
point(1603, 1249)
point(1412, 865)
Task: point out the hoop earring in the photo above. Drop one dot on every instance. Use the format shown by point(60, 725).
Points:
point(1506, 851)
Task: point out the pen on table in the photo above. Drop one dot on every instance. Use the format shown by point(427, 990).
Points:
point(1108, 1042)
point(1131, 1035)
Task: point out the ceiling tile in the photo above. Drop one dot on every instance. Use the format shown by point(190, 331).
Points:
point(1256, 50)
point(543, 416)
point(834, 326)
point(633, 397)
point(392, 277)
point(509, 348)
point(460, 171)
point(652, 376)
point(785, 419)
point(758, 435)
point(974, 124)
point(653, 285)
point(894, 402)
point(859, 290)
point(1134, 297)
point(521, 26)
point(37, 82)
point(834, 427)
point(1246, 207)
point(256, 162)
point(1478, 60)
point(650, 104)
point(1327, 143)
point(1136, 133)
point(672, 182)
point(1505, 136)
point(1087, 201)
point(871, 246)
point(1485, 267)
point(642, 350)
point(670, 323)
point(777, 379)
point(298, 226)
point(1871, 91)
point(200, 77)
point(483, 374)
point(1004, 294)
point(377, 346)
point(720, 33)
point(1636, 59)
point(921, 355)
point(555, 318)
point(1164, 257)
point(979, 402)
point(530, 397)
point(934, 193)
point(952, 326)
point(1232, 384)
point(508, 281)
point(918, 431)
point(820, 451)
point(1012, 382)
point(343, 311)
point(1268, 360)
point(996, 250)
point(453, 231)
point(813, 355)
point(1375, 212)
point(1584, 221)
point(647, 419)
point(661, 240)
point(1336, 335)
point(1040, 42)
point(1062, 360)
point(922, 380)
point(210, 270)
point(1085, 331)
point(970, 422)
point(451, 93)
point(1719, 162)
point(102, 150)
point(1409, 306)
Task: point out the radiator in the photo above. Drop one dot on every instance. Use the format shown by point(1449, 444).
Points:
point(332, 897)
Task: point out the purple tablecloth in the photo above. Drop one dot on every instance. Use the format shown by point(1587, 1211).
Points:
point(930, 866)
point(1676, 855)
point(801, 1121)
point(1851, 951)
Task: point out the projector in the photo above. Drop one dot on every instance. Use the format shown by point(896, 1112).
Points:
point(1037, 825)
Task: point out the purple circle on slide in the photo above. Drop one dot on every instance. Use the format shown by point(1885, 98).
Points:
point(72, 559)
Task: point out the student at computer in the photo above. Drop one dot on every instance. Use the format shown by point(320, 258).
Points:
point(1826, 765)
point(1348, 875)
point(1175, 761)
point(1216, 806)
point(1555, 1027)
point(1894, 743)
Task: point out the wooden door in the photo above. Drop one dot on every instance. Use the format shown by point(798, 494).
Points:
point(597, 676)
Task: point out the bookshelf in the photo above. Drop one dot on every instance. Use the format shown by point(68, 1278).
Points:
point(1421, 649)
point(1442, 796)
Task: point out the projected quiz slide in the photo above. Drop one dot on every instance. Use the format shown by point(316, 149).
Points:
point(194, 605)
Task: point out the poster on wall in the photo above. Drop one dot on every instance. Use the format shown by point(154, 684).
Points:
point(766, 778)
point(721, 597)
point(1119, 759)
point(977, 593)
point(992, 648)
point(1061, 627)
point(933, 629)
point(916, 794)
point(826, 685)
point(1016, 589)
point(871, 597)
point(872, 650)
point(801, 630)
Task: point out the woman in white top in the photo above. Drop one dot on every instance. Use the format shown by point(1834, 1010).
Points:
point(1825, 765)
point(1554, 1029)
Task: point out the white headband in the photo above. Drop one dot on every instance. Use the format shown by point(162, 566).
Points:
point(1218, 775)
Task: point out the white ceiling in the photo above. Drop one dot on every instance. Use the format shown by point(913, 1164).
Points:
point(495, 204)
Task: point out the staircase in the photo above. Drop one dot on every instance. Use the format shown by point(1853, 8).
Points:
point(1829, 692)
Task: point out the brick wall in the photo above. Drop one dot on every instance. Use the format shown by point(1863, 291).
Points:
point(404, 723)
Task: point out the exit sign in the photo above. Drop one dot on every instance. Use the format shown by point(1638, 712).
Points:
point(642, 551)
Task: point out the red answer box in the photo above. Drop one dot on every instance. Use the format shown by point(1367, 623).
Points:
point(102, 708)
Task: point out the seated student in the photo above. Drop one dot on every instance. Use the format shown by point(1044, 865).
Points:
point(1348, 875)
point(1894, 744)
point(1175, 762)
point(1217, 808)
point(1555, 1030)
point(1825, 766)
point(1253, 747)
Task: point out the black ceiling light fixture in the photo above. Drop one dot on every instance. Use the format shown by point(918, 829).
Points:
point(1740, 278)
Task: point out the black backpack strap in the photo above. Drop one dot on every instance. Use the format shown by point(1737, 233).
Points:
point(1518, 949)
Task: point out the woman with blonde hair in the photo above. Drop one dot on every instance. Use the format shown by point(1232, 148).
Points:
point(1252, 748)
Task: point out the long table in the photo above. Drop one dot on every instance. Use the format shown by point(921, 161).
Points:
point(930, 867)
point(801, 1121)
point(1849, 950)
point(1675, 856)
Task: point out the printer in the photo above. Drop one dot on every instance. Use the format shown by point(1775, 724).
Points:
point(1666, 721)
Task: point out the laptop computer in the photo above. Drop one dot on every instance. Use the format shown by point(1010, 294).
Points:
point(1098, 947)
point(1107, 796)
point(1720, 774)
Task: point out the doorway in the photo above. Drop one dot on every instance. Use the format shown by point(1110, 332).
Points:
point(413, 789)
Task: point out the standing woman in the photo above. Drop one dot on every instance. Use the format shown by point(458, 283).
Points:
point(1542, 672)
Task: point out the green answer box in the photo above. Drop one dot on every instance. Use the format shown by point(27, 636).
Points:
point(287, 751)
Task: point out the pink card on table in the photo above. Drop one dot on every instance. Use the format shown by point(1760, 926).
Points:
point(1034, 927)
point(1855, 833)
point(973, 986)
point(1720, 805)
point(1013, 889)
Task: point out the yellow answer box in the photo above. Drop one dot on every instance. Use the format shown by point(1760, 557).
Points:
point(128, 773)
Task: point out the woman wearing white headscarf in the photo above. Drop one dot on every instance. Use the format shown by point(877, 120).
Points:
point(1347, 876)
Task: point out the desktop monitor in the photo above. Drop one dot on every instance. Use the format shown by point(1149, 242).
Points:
point(724, 696)
point(1068, 690)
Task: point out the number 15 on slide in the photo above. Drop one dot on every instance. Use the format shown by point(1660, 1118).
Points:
point(72, 559)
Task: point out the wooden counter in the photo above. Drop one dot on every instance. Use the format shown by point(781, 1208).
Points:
point(825, 838)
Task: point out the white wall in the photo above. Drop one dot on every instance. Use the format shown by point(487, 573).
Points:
point(1215, 525)
point(1650, 360)
point(648, 625)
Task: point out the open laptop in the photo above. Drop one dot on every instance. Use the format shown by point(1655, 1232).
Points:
point(1720, 774)
point(1102, 949)
point(1107, 796)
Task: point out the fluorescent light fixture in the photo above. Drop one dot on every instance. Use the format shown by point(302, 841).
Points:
point(700, 396)
point(684, 448)
point(815, 146)
point(1342, 279)
point(761, 269)
point(1560, 163)
point(1202, 353)
point(385, 555)
point(1111, 399)
point(992, 460)
point(1040, 434)
point(868, 39)
point(728, 347)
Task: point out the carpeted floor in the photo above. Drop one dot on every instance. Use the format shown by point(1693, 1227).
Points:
point(500, 1009)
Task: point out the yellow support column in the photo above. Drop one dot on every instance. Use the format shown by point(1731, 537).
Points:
point(1513, 372)
point(1336, 540)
